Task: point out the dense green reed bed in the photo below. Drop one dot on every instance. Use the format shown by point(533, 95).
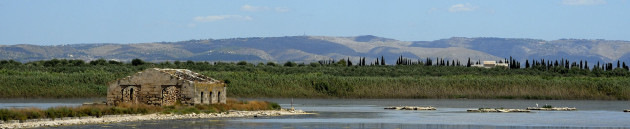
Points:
point(46, 79)
point(464, 86)
point(15, 83)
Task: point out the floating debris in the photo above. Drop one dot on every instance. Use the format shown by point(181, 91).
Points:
point(411, 108)
point(501, 110)
point(552, 108)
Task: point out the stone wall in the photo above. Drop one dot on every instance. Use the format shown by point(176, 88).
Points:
point(148, 86)
point(154, 87)
point(170, 95)
point(210, 93)
point(130, 93)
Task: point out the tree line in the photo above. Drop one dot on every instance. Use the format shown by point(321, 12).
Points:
point(413, 67)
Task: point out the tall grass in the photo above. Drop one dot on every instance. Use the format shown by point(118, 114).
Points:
point(32, 80)
point(52, 84)
point(245, 84)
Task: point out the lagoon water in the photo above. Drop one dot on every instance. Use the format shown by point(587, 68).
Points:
point(369, 113)
point(44, 102)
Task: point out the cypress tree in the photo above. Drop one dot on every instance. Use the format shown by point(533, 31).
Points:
point(382, 60)
point(526, 63)
point(349, 62)
point(468, 64)
point(597, 64)
point(617, 63)
point(438, 62)
point(363, 61)
point(586, 64)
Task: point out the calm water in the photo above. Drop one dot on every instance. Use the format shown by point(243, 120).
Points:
point(369, 113)
point(45, 103)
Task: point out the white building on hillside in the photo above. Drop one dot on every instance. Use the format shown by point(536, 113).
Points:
point(491, 64)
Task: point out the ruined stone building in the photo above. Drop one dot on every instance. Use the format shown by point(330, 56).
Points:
point(165, 87)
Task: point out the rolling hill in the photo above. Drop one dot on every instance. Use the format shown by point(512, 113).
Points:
point(313, 48)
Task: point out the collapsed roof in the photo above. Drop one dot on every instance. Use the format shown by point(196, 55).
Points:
point(185, 74)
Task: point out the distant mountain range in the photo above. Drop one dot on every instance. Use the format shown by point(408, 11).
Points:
point(314, 48)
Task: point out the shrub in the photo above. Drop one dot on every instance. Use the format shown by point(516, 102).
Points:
point(274, 106)
point(136, 62)
point(11, 114)
point(33, 113)
point(241, 63)
point(115, 111)
point(59, 112)
point(290, 64)
point(94, 111)
point(5, 114)
point(271, 64)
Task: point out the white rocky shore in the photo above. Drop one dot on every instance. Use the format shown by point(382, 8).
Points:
point(157, 116)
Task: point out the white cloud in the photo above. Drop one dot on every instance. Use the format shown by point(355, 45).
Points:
point(221, 17)
point(250, 8)
point(462, 8)
point(583, 2)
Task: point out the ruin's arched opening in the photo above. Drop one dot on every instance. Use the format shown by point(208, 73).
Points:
point(130, 94)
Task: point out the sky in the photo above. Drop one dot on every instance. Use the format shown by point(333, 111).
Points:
point(47, 22)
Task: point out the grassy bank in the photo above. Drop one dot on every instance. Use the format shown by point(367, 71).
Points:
point(330, 81)
point(98, 111)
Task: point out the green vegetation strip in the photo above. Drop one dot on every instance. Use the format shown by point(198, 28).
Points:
point(58, 79)
point(98, 111)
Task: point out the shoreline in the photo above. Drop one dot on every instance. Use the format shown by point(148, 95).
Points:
point(141, 117)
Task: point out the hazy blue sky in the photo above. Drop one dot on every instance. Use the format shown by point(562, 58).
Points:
point(48, 22)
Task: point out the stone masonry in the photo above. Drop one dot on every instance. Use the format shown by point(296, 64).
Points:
point(165, 87)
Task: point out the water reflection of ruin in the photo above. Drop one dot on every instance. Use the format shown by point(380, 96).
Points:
point(157, 86)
